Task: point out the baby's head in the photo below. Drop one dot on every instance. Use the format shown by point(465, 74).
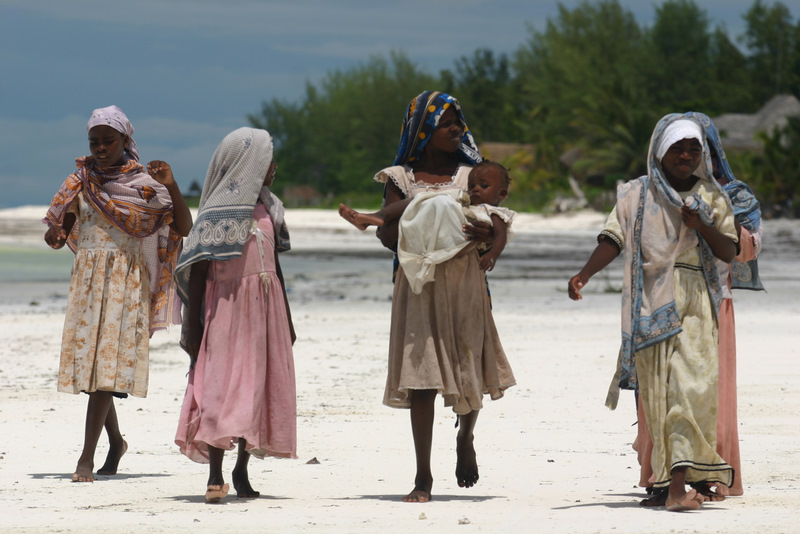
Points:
point(488, 183)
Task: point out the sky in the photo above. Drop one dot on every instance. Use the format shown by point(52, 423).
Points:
point(187, 72)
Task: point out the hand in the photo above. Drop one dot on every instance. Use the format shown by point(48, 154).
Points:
point(55, 237)
point(479, 231)
point(161, 172)
point(575, 285)
point(691, 218)
point(486, 262)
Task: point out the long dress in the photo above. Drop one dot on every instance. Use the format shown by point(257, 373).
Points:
point(727, 420)
point(678, 376)
point(105, 342)
point(444, 338)
point(243, 383)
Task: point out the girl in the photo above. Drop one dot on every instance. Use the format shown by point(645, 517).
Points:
point(431, 231)
point(124, 226)
point(442, 340)
point(237, 326)
point(671, 225)
point(742, 273)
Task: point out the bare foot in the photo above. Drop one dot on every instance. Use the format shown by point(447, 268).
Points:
point(691, 500)
point(241, 483)
point(466, 462)
point(362, 221)
point(421, 491)
point(215, 492)
point(112, 459)
point(83, 472)
point(706, 490)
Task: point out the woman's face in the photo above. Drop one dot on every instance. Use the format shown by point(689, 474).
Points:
point(270, 177)
point(107, 146)
point(682, 159)
point(449, 132)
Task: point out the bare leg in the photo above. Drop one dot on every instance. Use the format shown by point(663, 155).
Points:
point(678, 499)
point(360, 220)
point(116, 445)
point(241, 480)
point(96, 414)
point(216, 488)
point(466, 460)
point(422, 412)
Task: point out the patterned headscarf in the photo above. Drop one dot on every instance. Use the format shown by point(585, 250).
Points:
point(131, 200)
point(421, 119)
point(234, 183)
point(746, 207)
point(114, 117)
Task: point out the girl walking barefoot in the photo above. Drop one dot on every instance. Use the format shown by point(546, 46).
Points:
point(443, 339)
point(237, 326)
point(125, 227)
point(671, 225)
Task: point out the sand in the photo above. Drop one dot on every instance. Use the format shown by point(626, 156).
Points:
point(552, 457)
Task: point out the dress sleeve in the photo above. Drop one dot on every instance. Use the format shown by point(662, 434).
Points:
point(723, 216)
point(612, 231)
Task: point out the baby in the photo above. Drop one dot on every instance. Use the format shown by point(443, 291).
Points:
point(487, 187)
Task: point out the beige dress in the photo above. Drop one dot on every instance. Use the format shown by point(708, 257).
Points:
point(444, 338)
point(105, 343)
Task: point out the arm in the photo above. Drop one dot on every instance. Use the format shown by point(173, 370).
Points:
point(56, 236)
point(181, 216)
point(603, 254)
point(388, 232)
point(500, 239)
point(479, 231)
point(722, 246)
point(194, 311)
point(285, 298)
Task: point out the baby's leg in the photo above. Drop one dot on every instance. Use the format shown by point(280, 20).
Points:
point(241, 480)
point(360, 220)
point(116, 445)
point(466, 459)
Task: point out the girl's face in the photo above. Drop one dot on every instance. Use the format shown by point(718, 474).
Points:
point(681, 160)
point(486, 186)
point(107, 146)
point(448, 133)
point(270, 177)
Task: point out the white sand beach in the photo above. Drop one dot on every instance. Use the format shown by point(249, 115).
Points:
point(552, 457)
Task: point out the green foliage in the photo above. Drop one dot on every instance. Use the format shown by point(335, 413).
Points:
point(591, 84)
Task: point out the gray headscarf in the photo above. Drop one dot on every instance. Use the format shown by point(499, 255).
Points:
point(234, 183)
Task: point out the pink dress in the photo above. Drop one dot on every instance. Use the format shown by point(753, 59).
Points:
point(243, 384)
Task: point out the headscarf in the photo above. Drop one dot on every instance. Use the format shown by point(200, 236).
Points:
point(421, 119)
point(746, 208)
point(114, 117)
point(234, 182)
point(131, 200)
point(648, 210)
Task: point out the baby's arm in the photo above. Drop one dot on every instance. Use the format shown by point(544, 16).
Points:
point(181, 216)
point(603, 254)
point(194, 309)
point(500, 239)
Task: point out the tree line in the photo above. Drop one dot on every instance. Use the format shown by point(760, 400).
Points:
point(582, 95)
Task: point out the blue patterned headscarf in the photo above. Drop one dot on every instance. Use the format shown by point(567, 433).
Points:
point(422, 118)
point(746, 208)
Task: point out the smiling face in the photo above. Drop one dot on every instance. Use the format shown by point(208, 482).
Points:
point(107, 146)
point(681, 160)
point(486, 185)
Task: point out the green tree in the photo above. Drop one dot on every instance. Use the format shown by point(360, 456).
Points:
point(772, 41)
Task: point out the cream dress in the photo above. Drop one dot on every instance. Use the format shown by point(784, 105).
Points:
point(444, 338)
point(105, 343)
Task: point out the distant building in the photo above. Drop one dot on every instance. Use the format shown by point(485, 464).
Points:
point(738, 130)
